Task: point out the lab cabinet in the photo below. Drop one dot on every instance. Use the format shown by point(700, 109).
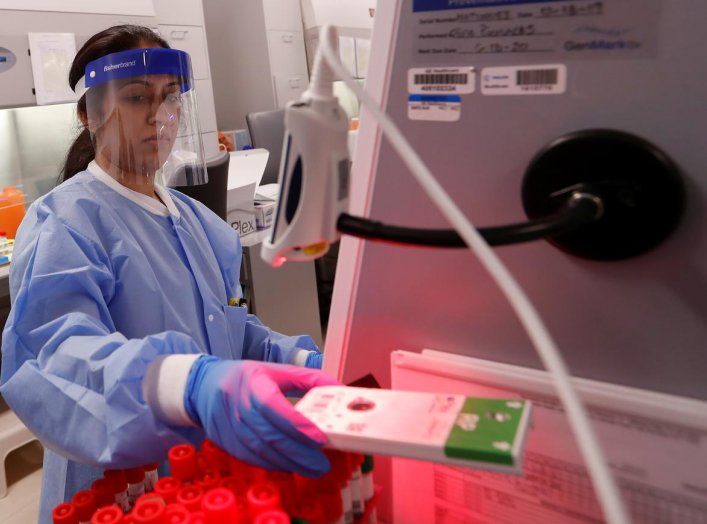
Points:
point(191, 39)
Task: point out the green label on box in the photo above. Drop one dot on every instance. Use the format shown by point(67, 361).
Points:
point(486, 430)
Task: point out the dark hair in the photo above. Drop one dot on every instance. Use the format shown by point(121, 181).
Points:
point(112, 40)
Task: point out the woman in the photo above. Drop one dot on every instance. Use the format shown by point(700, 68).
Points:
point(121, 341)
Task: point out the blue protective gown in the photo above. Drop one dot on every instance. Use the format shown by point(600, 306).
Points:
point(101, 284)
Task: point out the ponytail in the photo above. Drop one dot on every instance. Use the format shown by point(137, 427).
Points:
point(80, 154)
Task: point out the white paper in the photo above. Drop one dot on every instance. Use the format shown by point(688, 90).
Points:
point(247, 167)
point(656, 445)
point(51, 56)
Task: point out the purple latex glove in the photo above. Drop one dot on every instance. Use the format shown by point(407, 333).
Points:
point(242, 408)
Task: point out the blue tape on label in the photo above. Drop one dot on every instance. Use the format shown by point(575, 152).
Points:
point(443, 5)
point(434, 98)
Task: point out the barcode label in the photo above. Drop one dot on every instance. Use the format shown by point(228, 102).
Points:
point(446, 78)
point(537, 77)
point(441, 80)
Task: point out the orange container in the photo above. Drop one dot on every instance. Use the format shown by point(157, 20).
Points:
point(12, 210)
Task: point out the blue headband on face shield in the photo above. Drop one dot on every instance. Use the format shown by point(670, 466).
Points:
point(139, 62)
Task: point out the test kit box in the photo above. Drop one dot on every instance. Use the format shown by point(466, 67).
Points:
point(475, 432)
point(264, 213)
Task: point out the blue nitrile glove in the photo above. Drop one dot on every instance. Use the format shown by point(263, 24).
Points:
point(314, 360)
point(241, 406)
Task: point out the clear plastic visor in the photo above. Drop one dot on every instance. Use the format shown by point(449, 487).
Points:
point(145, 126)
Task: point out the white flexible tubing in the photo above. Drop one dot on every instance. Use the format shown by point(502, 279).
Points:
point(604, 483)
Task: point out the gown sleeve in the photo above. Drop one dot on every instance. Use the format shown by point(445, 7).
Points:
point(67, 373)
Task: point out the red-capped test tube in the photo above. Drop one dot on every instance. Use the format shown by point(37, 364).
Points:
point(190, 497)
point(183, 463)
point(108, 515)
point(102, 489)
point(151, 476)
point(120, 487)
point(341, 471)
point(215, 456)
point(176, 514)
point(263, 496)
point(149, 512)
point(136, 483)
point(272, 517)
point(219, 506)
point(358, 503)
point(65, 513)
point(85, 504)
point(167, 488)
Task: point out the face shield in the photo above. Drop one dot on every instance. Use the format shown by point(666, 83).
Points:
point(141, 110)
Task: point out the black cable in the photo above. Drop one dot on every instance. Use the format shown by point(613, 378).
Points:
point(580, 209)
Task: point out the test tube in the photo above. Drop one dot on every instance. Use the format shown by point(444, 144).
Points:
point(261, 497)
point(183, 462)
point(136, 484)
point(190, 497)
point(103, 492)
point(341, 471)
point(167, 488)
point(151, 476)
point(176, 514)
point(215, 456)
point(358, 503)
point(65, 513)
point(85, 504)
point(208, 479)
point(219, 506)
point(149, 512)
point(272, 517)
point(108, 515)
point(367, 485)
point(119, 481)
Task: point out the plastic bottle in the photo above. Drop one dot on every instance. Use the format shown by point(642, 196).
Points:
point(12, 210)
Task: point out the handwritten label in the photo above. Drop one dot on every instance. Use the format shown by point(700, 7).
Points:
point(448, 29)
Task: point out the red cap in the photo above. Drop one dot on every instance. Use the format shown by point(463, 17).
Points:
point(150, 496)
point(274, 516)
point(340, 465)
point(219, 506)
point(310, 510)
point(151, 467)
point(176, 514)
point(108, 515)
point(183, 463)
point(85, 504)
point(190, 497)
point(104, 492)
point(208, 479)
point(215, 456)
point(149, 512)
point(235, 485)
point(65, 513)
point(167, 488)
point(198, 517)
point(286, 484)
point(135, 475)
point(241, 469)
point(263, 496)
point(356, 459)
point(118, 478)
point(329, 495)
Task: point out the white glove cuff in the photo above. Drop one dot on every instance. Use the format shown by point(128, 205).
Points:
point(164, 385)
point(300, 358)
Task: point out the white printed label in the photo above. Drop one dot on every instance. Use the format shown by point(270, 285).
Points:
point(441, 80)
point(440, 108)
point(546, 79)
